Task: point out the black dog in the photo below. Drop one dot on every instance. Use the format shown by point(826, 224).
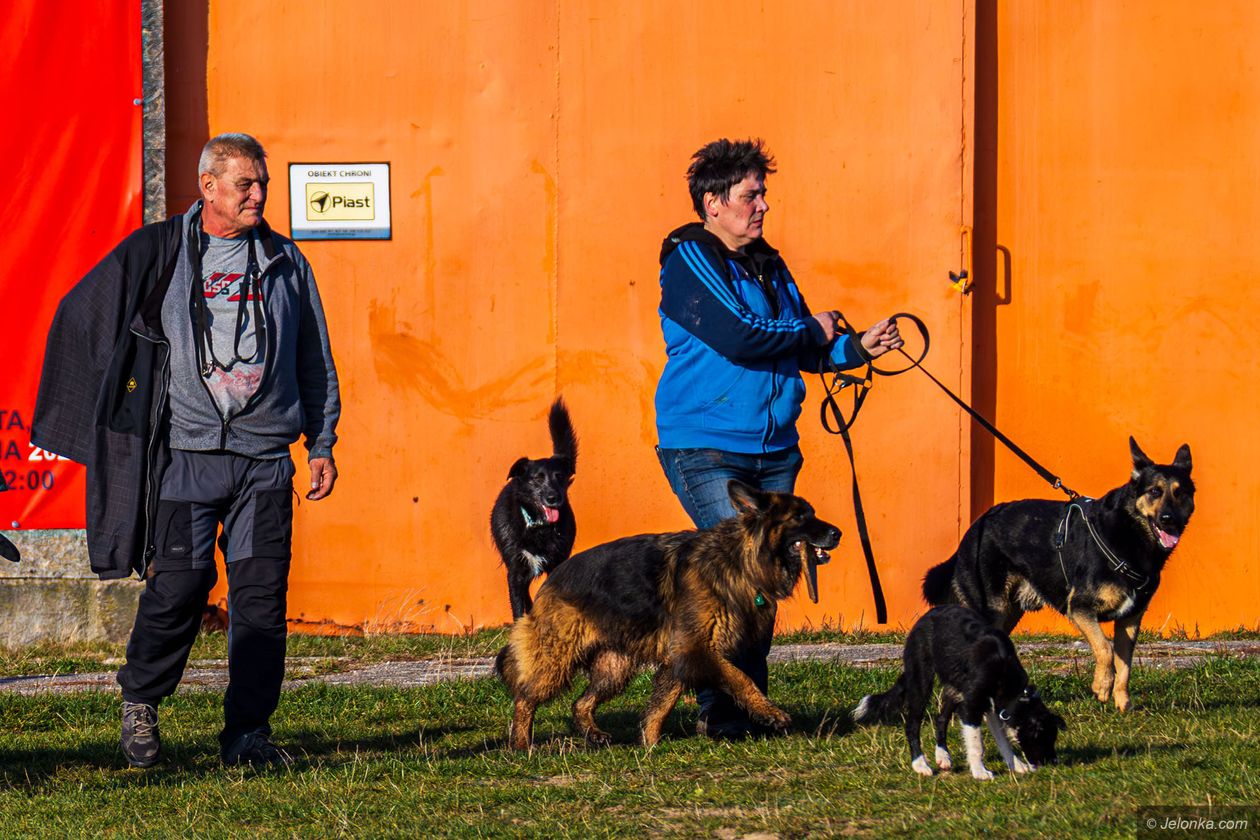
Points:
point(532, 523)
point(981, 677)
point(1092, 560)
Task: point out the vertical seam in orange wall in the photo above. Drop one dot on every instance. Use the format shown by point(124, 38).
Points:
point(964, 426)
point(555, 216)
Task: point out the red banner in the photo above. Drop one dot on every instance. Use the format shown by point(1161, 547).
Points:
point(71, 77)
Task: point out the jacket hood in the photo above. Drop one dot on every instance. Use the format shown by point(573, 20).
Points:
point(758, 250)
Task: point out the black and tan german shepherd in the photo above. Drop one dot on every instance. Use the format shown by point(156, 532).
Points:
point(532, 522)
point(981, 679)
point(684, 602)
point(1093, 560)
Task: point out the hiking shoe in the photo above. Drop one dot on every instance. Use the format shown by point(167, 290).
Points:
point(256, 750)
point(141, 742)
point(723, 730)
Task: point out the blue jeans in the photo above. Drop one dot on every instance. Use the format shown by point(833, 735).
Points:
point(699, 478)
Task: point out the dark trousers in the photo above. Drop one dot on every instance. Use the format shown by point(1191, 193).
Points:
point(166, 625)
point(699, 478)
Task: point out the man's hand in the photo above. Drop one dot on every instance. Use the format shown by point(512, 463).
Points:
point(323, 476)
point(881, 338)
point(829, 321)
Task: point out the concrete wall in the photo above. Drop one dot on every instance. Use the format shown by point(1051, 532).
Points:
point(53, 596)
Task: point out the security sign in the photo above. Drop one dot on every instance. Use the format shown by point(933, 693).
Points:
point(339, 200)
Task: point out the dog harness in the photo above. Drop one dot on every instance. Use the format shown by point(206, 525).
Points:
point(1117, 565)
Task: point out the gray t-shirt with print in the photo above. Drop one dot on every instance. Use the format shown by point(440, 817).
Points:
point(233, 344)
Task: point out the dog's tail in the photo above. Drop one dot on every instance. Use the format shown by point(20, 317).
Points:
point(938, 583)
point(509, 665)
point(882, 708)
point(564, 442)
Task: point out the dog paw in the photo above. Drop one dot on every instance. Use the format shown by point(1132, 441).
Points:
point(920, 765)
point(597, 738)
point(776, 719)
point(1102, 686)
point(943, 760)
point(517, 739)
point(984, 774)
point(1020, 766)
point(1122, 701)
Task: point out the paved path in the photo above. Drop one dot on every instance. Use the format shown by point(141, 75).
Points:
point(212, 674)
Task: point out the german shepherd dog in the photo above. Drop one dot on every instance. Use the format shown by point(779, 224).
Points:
point(981, 677)
point(1093, 560)
point(685, 602)
point(531, 522)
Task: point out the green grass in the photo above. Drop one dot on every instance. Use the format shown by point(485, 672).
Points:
point(53, 659)
point(376, 762)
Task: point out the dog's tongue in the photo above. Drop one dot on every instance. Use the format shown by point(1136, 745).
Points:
point(552, 514)
point(1166, 539)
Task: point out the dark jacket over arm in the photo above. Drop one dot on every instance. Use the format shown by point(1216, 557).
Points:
point(99, 387)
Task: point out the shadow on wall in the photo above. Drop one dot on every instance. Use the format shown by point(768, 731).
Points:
point(187, 39)
point(985, 299)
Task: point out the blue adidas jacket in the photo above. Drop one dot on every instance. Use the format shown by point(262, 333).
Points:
point(737, 336)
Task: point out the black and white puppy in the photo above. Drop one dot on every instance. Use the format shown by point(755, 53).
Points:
point(532, 522)
point(981, 677)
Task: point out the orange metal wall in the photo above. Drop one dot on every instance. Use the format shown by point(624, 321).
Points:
point(1123, 203)
point(538, 152)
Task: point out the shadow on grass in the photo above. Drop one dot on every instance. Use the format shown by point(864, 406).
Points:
point(1091, 754)
point(623, 726)
point(181, 760)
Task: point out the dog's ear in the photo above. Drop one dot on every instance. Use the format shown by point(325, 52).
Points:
point(1182, 461)
point(746, 499)
point(1140, 461)
point(518, 469)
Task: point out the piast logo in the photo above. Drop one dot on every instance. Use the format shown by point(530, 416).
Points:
point(340, 202)
point(131, 385)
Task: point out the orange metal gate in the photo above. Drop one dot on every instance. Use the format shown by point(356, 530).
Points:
point(538, 151)
point(537, 154)
point(1117, 210)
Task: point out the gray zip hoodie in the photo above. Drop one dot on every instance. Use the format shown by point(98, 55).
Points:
point(298, 393)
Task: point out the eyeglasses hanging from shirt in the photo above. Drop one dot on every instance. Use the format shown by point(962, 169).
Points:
point(251, 289)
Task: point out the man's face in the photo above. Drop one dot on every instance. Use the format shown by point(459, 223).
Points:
point(737, 220)
point(234, 198)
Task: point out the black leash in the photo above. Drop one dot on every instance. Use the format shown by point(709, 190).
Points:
point(836, 423)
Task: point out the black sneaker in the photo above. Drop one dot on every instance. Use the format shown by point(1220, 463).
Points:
point(256, 750)
point(141, 742)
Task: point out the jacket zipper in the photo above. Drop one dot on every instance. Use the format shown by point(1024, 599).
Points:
point(150, 490)
point(774, 376)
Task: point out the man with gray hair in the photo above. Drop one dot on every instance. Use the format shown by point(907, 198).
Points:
point(217, 361)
